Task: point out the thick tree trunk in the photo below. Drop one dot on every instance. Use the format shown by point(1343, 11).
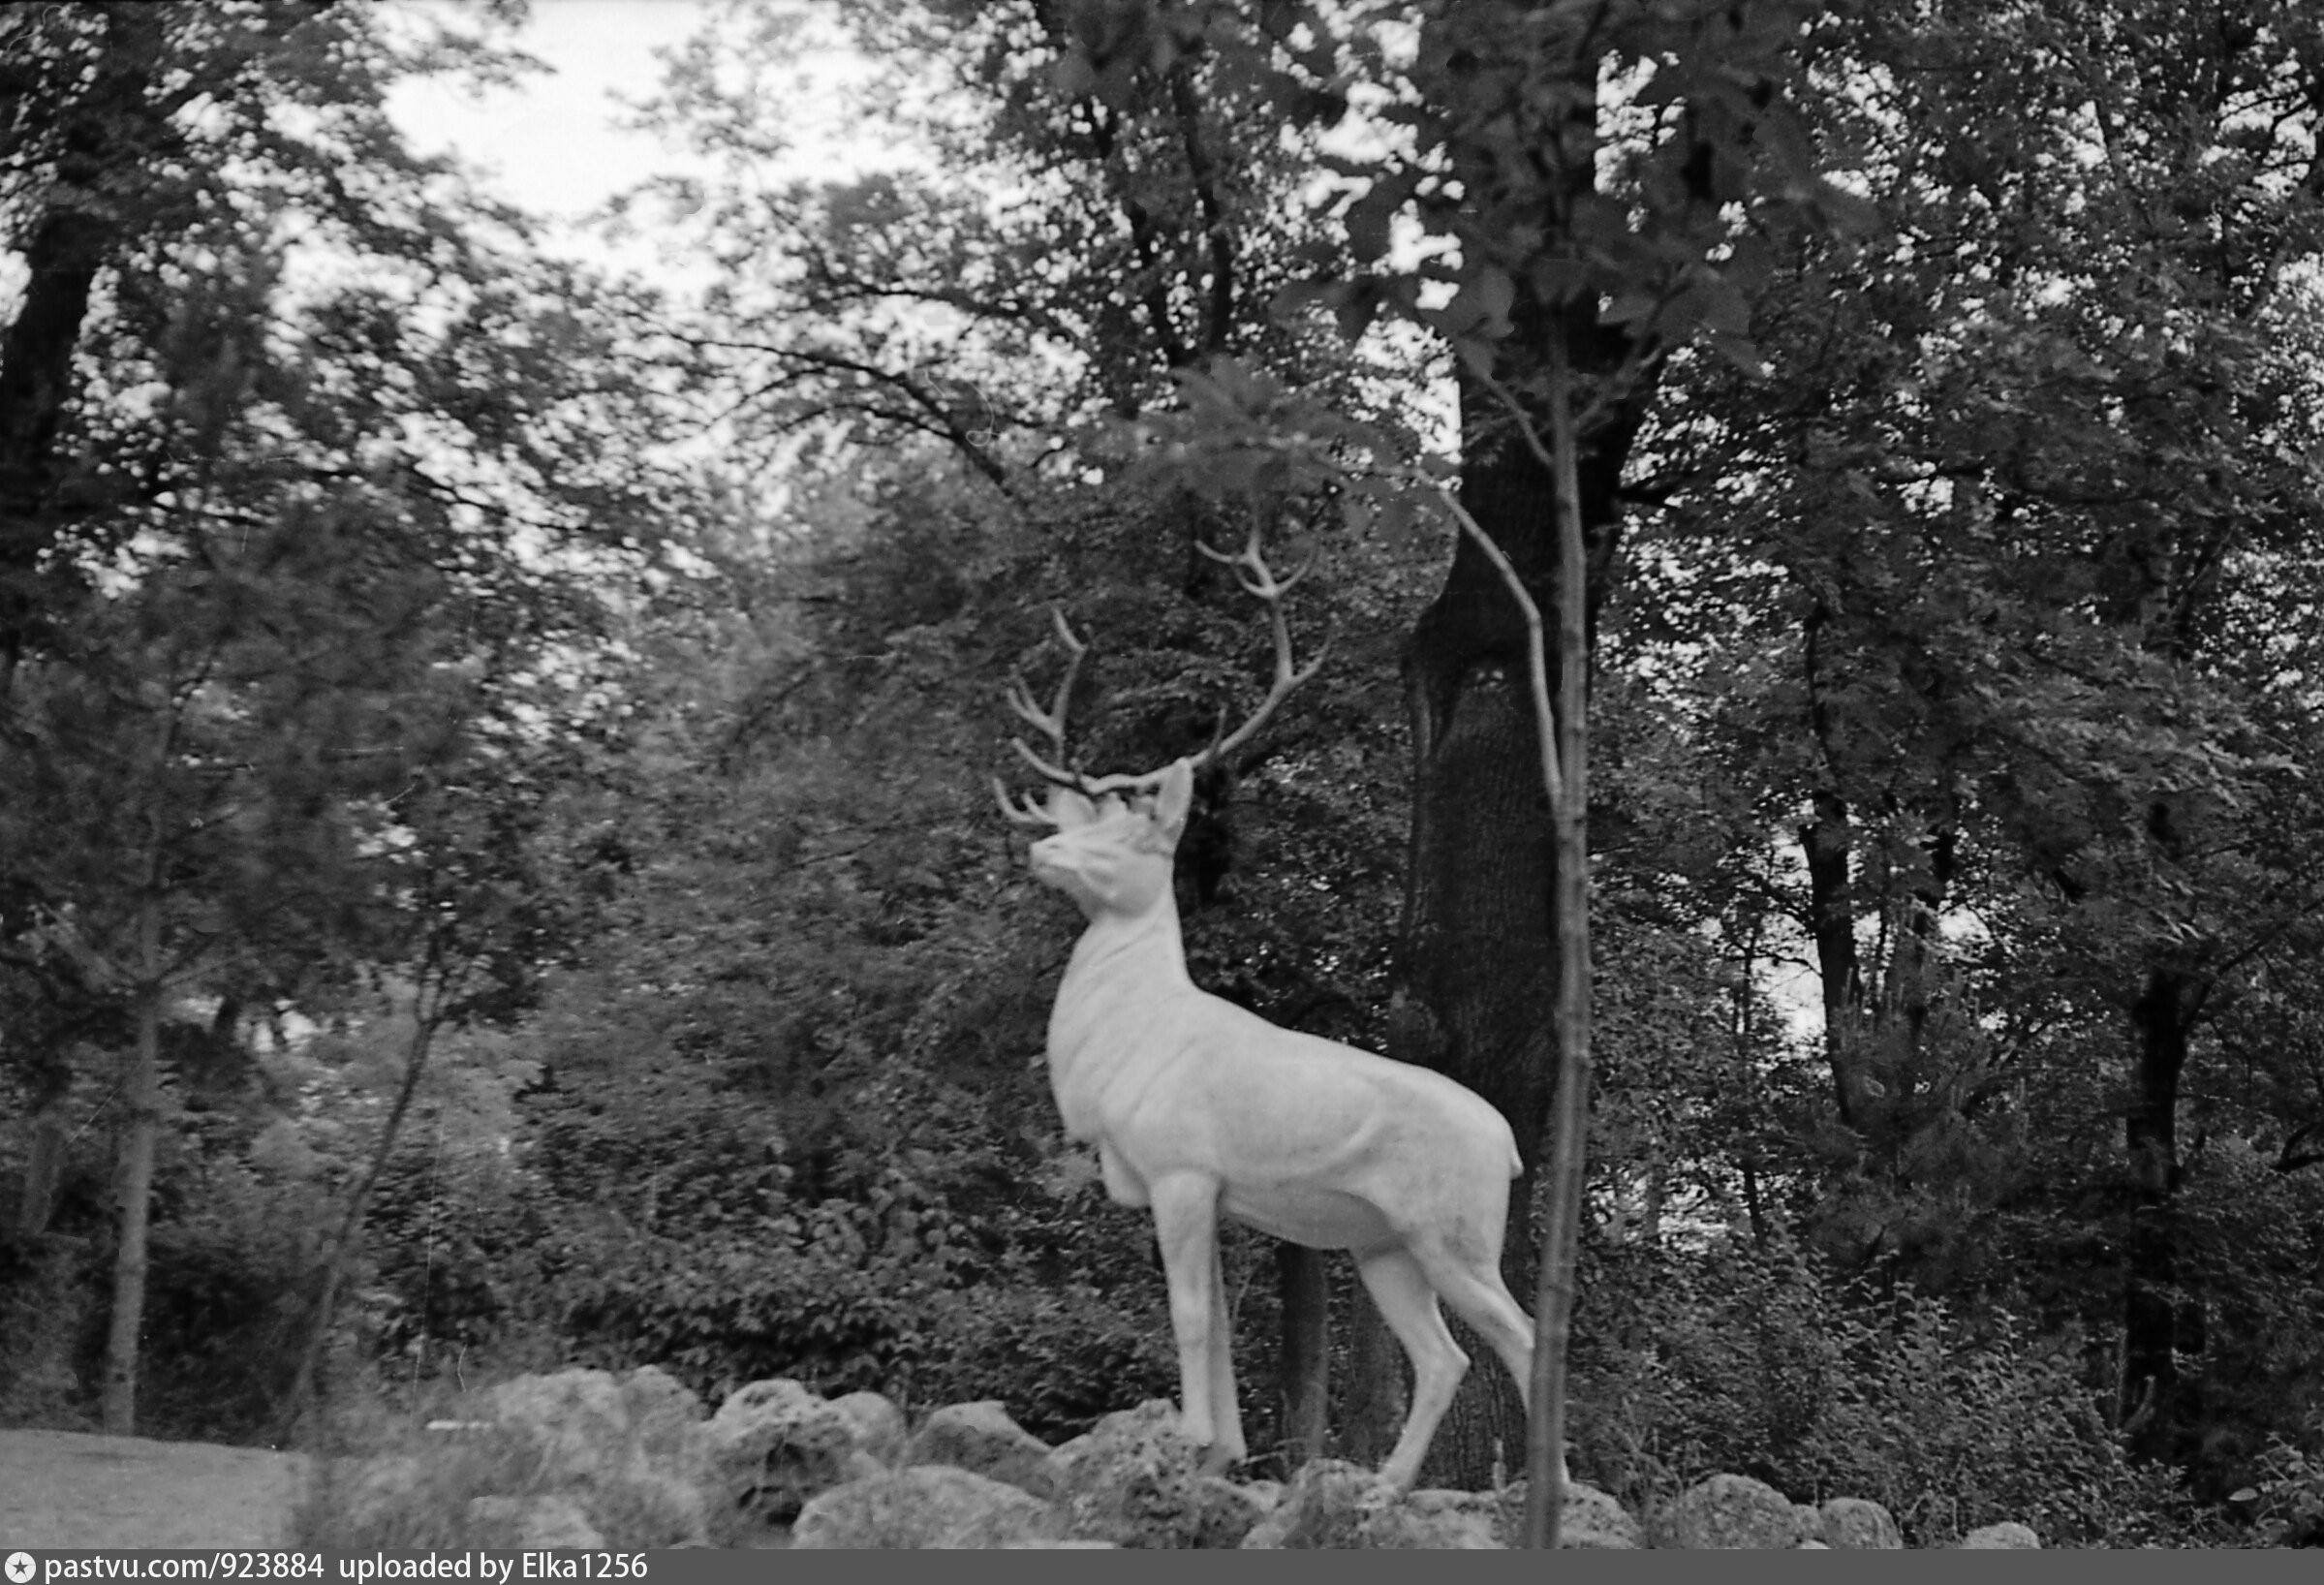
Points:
point(1476, 951)
point(100, 145)
point(2151, 1298)
point(1477, 946)
point(1377, 1395)
point(141, 1089)
point(1305, 1364)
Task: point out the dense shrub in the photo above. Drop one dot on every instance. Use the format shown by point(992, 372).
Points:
point(45, 1307)
point(2286, 1499)
point(1059, 1358)
point(223, 1297)
point(1752, 1360)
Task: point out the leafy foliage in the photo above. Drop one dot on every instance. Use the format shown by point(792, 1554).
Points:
point(1750, 1359)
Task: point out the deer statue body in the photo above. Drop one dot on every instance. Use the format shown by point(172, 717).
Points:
point(1199, 1108)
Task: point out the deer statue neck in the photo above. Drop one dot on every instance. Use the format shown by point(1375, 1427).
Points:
point(1144, 946)
point(1129, 970)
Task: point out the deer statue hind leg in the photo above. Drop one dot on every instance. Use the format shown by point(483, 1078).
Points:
point(1186, 1226)
point(1407, 1302)
point(1477, 1295)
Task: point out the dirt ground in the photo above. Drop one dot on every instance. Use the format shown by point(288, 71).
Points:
point(65, 1489)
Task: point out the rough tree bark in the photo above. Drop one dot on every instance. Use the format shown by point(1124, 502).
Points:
point(1305, 1364)
point(1475, 939)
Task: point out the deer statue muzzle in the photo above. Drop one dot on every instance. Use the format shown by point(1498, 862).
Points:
point(1199, 1108)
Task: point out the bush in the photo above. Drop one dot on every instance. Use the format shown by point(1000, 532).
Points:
point(1752, 1360)
point(2286, 1499)
point(1059, 1358)
point(44, 1314)
point(1952, 1431)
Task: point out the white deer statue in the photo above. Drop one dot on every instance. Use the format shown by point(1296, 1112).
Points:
point(1199, 1107)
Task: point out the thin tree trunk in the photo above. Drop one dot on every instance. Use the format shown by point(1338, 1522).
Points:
point(2150, 1289)
point(350, 1224)
point(1826, 843)
point(1565, 775)
point(142, 1094)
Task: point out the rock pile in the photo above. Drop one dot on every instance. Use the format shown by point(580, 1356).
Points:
point(636, 1453)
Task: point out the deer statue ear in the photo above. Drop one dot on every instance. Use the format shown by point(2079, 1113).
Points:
point(1069, 809)
point(1172, 797)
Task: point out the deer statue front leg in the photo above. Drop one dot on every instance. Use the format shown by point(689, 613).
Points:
point(1186, 1224)
point(1225, 1413)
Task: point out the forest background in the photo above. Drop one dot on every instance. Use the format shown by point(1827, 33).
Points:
point(497, 858)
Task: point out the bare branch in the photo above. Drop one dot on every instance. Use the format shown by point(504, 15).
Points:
point(1553, 779)
point(1251, 572)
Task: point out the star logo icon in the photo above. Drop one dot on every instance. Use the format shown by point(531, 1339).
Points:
point(20, 1568)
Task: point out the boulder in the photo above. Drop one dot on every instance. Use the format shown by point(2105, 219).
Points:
point(626, 1443)
point(1433, 1521)
point(1133, 1480)
point(2006, 1537)
point(1332, 1504)
point(981, 1439)
point(924, 1507)
point(666, 1419)
point(536, 1524)
point(1324, 1507)
point(629, 1449)
point(1225, 1510)
point(1592, 1520)
point(1730, 1512)
point(370, 1493)
point(620, 1456)
point(578, 1418)
point(1858, 1523)
point(879, 1424)
point(651, 1509)
point(774, 1445)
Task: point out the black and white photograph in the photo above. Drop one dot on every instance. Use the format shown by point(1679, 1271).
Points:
point(1157, 774)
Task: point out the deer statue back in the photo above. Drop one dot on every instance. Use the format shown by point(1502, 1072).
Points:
point(1200, 1109)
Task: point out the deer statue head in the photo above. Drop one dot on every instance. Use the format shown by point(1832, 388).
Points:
point(1199, 1108)
point(1113, 855)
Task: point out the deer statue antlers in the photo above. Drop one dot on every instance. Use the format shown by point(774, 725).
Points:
point(1257, 579)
